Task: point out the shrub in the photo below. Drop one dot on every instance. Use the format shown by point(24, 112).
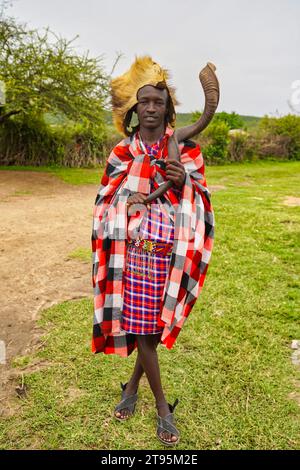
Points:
point(216, 151)
point(242, 146)
point(281, 136)
point(34, 142)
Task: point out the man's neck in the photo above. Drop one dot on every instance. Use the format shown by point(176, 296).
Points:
point(151, 136)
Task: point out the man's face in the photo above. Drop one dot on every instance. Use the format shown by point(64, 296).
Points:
point(151, 107)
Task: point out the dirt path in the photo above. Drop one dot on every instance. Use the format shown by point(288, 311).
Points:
point(43, 220)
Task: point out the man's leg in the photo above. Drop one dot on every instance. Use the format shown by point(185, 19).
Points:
point(149, 361)
point(134, 381)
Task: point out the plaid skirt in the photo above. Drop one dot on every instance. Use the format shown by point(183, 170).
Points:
point(144, 281)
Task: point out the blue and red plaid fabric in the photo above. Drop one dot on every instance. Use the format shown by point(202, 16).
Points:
point(144, 281)
point(152, 149)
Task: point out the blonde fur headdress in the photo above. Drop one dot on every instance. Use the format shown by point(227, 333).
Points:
point(144, 71)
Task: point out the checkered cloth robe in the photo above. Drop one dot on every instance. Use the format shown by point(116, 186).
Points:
point(129, 170)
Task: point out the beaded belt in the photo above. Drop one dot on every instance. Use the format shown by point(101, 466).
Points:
point(151, 246)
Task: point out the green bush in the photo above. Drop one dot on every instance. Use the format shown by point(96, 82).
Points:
point(242, 147)
point(285, 130)
point(216, 151)
point(32, 141)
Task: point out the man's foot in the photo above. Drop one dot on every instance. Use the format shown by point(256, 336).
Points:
point(126, 407)
point(167, 437)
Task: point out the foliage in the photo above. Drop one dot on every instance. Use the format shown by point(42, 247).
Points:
point(43, 76)
point(31, 141)
point(216, 150)
point(233, 120)
point(237, 146)
point(42, 73)
point(269, 138)
point(287, 128)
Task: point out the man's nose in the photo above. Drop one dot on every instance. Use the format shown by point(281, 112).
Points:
point(151, 107)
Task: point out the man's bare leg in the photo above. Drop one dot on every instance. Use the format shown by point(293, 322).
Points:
point(149, 361)
point(133, 384)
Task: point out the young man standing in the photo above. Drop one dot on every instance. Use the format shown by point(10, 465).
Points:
point(150, 260)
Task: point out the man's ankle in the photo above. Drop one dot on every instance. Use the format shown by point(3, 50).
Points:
point(161, 403)
point(133, 388)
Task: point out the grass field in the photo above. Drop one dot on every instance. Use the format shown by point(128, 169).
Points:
point(231, 365)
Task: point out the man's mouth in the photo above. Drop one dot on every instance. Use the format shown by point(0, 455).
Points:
point(151, 118)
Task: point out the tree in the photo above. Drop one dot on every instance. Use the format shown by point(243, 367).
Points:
point(42, 73)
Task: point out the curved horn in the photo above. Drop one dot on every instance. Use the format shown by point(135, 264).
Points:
point(211, 90)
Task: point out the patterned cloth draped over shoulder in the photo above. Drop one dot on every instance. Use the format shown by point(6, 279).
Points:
point(129, 169)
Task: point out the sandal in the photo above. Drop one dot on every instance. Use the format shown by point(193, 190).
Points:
point(167, 424)
point(127, 402)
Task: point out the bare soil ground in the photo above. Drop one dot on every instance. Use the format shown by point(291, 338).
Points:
point(292, 201)
point(43, 220)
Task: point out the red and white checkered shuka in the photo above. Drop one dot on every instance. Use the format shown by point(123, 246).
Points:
point(129, 169)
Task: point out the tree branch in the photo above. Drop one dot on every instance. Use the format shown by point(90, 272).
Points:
point(7, 115)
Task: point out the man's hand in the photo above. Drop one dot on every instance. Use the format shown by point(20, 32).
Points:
point(137, 198)
point(175, 172)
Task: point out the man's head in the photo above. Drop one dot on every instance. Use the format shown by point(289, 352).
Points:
point(152, 108)
point(144, 75)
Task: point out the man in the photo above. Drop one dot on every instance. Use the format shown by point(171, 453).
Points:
point(150, 260)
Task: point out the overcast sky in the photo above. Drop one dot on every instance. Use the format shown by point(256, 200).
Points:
point(255, 44)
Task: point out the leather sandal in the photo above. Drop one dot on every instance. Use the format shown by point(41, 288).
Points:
point(167, 424)
point(127, 402)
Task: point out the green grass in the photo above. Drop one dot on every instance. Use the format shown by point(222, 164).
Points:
point(74, 176)
point(82, 254)
point(21, 193)
point(230, 367)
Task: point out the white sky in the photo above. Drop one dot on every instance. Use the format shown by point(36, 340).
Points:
point(255, 45)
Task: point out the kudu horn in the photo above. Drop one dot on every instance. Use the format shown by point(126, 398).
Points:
point(211, 90)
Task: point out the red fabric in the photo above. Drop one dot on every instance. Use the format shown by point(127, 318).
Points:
point(128, 168)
